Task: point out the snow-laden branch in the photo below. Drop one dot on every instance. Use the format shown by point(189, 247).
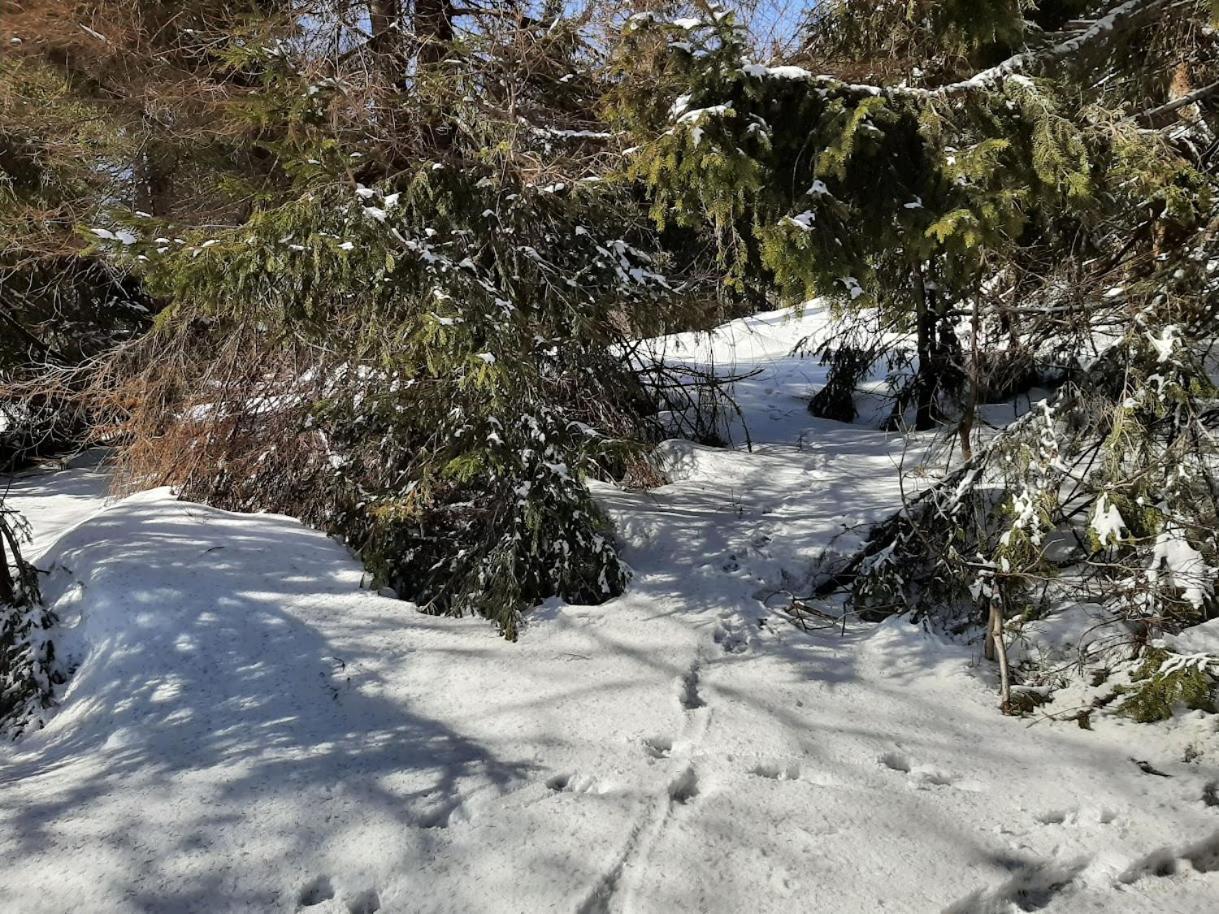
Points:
point(1120, 17)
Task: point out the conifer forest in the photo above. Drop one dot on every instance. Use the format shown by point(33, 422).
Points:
point(609, 456)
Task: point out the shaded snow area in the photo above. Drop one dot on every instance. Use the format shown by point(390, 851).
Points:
point(777, 353)
point(246, 730)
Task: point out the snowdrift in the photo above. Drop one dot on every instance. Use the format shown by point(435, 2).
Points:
point(246, 729)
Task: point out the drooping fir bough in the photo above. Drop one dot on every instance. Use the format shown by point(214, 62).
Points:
point(403, 313)
point(396, 267)
point(1028, 191)
point(59, 305)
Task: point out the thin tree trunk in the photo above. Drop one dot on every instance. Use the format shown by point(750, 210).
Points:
point(997, 649)
point(385, 21)
point(975, 378)
point(153, 170)
point(925, 381)
point(433, 26)
point(12, 588)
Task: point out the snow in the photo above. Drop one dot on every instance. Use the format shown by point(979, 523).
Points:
point(122, 236)
point(248, 730)
point(1066, 637)
point(697, 114)
point(775, 353)
point(761, 71)
point(1164, 344)
point(804, 221)
point(854, 289)
point(1199, 639)
point(1107, 523)
point(1173, 559)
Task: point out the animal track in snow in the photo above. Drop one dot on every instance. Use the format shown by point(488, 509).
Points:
point(365, 902)
point(777, 771)
point(920, 776)
point(925, 774)
point(896, 762)
point(1202, 857)
point(688, 692)
point(315, 891)
point(681, 789)
point(441, 816)
point(601, 900)
point(658, 746)
point(320, 889)
point(1076, 817)
point(567, 782)
point(684, 787)
point(731, 638)
point(1032, 888)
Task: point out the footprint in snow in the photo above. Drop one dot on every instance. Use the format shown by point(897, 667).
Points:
point(365, 902)
point(731, 638)
point(895, 761)
point(320, 889)
point(568, 782)
point(688, 693)
point(684, 787)
point(658, 747)
point(1076, 817)
point(777, 771)
point(1199, 857)
point(315, 891)
point(1034, 885)
point(923, 776)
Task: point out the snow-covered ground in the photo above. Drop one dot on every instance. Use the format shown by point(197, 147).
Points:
point(777, 352)
point(247, 730)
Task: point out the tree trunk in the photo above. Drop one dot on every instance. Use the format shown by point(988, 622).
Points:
point(153, 173)
point(388, 42)
point(15, 582)
point(925, 382)
point(997, 649)
point(433, 26)
point(965, 429)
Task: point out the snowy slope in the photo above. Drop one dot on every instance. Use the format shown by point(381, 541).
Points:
point(248, 730)
point(777, 350)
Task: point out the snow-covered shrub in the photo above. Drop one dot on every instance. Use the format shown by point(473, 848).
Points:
point(1165, 682)
point(59, 306)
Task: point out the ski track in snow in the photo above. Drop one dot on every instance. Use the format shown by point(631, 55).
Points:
point(247, 730)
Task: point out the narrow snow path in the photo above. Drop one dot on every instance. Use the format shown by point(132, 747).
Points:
point(247, 730)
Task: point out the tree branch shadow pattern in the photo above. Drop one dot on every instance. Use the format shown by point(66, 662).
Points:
point(201, 690)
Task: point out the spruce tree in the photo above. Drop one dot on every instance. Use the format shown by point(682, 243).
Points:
point(403, 314)
point(1029, 192)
